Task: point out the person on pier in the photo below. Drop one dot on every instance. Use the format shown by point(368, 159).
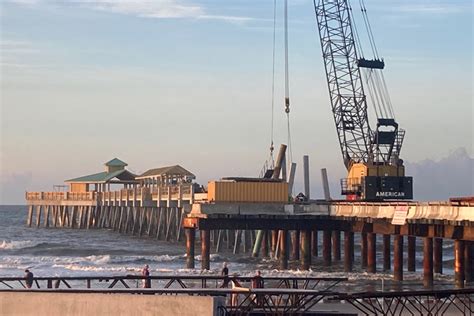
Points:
point(225, 274)
point(146, 275)
point(28, 278)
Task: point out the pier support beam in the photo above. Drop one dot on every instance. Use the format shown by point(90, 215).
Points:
point(438, 255)
point(411, 263)
point(205, 249)
point(348, 250)
point(283, 251)
point(265, 244)
point(428, 262)
point(386, 253)
point(459, 263)
point(398, 257)
point(468, 261)
point(314, 243)
point(372, 253)
point(363, 250)
point(327, 247)
point(305, 249)
point(336, 245)
point(295, 245)
point(190, 239)
point(274, 242)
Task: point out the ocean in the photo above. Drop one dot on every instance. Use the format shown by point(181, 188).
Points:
point(81, 252)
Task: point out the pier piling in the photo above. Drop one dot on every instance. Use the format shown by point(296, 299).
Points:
point(363, 250)
point(327, 247)
point(348, 250)
point(459, 263)
point(468, 261)
point(428, 262)
point(386, 253)
point(411, 263)
point(314, 243)
point(438, 255)
point(205, 249)
point(371, 252)
point(398, 257)
point(336, 245)
point(295, 245)
point(283, 255)
point(190, 240)
point(305, 249)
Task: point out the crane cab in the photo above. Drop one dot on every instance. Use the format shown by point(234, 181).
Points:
point(373, 182)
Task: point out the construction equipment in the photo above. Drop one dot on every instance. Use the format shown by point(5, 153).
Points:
point(371, 156)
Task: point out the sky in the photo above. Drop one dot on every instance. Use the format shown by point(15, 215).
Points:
point(189, 82)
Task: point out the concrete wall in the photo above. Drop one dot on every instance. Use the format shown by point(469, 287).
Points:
point(80, 304)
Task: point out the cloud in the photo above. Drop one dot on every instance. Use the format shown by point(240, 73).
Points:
point(430, 8)
point(158, 9)
point(439, 180)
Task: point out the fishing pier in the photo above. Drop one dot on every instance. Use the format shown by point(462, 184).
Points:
point(255, 216)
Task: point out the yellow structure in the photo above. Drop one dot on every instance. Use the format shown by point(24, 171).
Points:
point(247, 192)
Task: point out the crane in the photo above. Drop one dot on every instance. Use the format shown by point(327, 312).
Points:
point(371, 155)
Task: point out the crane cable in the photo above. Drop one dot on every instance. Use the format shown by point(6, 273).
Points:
point(287, 88)
point(272, 146)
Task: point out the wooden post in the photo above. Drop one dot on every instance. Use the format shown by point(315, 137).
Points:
point(336, 245)
point(411, 254)
point(30, 216)
point(459, 263)
point(190, 240)
point(46, 216)
point(327, 247)
point(295, 245)
point(348, 250)
point(371, 253)
point(314, 243)
point(283, 249)
point(305, 249)
point(265, 244)
point(386, 253)
point(205, 249)
point(274, 242)
point(438, 255)
point(363, 250)
point(38, 215)
point(398, 257)
point(428, 262)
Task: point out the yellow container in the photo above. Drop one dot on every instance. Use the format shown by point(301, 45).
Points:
point(247, 192)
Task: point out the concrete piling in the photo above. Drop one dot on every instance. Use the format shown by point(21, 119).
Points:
point(327, 247)
point(295, 245)
point(438, 255)
point(336, 245)
point(398, 257)
point(348, 250)
point(411, 263)
point(305, 249)
point(363, 250)
point(205, 249)
point(283, 251)
point(386, 253)
point(314, 243)
point(459, 263)
point(468, 261)
point(371, 253)
point(428, 262)
point(190, 240)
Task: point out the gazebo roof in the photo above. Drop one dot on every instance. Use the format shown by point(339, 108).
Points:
point(104, 177)
point(176, 170)
point(116, 163)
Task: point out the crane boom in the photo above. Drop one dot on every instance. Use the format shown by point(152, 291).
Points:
point(371, 156)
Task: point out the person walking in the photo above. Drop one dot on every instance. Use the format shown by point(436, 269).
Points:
point(146, 275)
point(225, 274)
point(28, 278)
point(257, 283)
